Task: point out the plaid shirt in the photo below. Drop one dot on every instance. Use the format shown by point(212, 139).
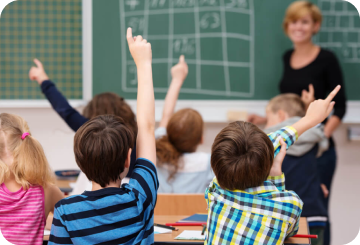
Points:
point(266, 214)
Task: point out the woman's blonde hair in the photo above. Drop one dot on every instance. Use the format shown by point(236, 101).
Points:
point(184, 134)
point(29, 166)
point(299, 9)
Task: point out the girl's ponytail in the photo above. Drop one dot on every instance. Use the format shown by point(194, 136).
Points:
point(167, 154)
point(29, 166)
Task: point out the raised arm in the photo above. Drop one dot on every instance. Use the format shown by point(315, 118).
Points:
point(316, 113)
point(140, 50)
point(71, 116)
point(178, 73)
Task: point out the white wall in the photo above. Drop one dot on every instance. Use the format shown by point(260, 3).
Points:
point(57, 139)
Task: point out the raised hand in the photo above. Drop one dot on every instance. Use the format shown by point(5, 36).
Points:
point(278, 160)
point(308, 96)
point(180, 71)
point(139, 48)
point(38, 73)
point(320, 109)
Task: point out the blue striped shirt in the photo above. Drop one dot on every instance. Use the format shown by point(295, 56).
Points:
point(122, 215)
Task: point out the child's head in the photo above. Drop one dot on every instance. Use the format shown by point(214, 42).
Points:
point(241, 156)
point(283, 107)
point(21, 154)
point(184, 134)
point(111, 103)
point(102, 149)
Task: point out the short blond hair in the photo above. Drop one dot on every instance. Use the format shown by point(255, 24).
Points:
point(299, 9)
point(290, 103)
point(29, 166)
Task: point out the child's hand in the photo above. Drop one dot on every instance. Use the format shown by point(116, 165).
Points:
point(139, 48)
point(38, 73)
point(256, 119)
point(278, 160)
point(308, 97)
point(320, 109)
point(180, 70)
point(324, 190)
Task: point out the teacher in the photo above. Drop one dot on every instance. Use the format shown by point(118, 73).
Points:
point(312, 72)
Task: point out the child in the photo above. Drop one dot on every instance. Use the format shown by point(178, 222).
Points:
point(27, 193)
point(101, 104)
point(299, 165)
point(180, 168)
point(110, 214)
point(247, 200)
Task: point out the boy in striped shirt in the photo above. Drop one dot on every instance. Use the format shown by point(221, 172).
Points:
point(247, 200)
point(110, 214)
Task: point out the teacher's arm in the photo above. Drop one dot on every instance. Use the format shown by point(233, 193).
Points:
point(335, 77)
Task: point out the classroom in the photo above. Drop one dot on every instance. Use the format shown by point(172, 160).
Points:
point(179, 122)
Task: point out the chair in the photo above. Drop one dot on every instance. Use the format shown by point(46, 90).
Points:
point(180, 204)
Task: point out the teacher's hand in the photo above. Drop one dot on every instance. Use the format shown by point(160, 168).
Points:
point(256, 119)
point(308, 96)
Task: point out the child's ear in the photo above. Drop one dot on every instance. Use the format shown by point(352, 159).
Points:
point(128, 159)
point(282, 115)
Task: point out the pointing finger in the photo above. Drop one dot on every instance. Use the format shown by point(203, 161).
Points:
point(182, 59)
point(38, 63)
point(333, 94)
point(311, 89)
point(129, 36)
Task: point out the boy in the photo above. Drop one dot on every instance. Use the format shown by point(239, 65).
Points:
point(299, 165)
point(247, 200)
point(110, 214)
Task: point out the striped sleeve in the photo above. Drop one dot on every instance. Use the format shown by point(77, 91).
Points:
point(289, 135)
point(278, 181)
point(145, 180)
point(59, 233)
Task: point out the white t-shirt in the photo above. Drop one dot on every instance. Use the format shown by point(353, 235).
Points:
point(193, 176)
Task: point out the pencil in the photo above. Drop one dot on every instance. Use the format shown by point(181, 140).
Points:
point(203, 230)
point(305, 236)
point(166, 227)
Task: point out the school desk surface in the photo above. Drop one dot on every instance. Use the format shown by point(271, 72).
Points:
point(169, 238)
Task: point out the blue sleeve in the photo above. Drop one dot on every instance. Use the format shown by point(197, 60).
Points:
point(59, 233)
point(144, 179)
point(71, 116)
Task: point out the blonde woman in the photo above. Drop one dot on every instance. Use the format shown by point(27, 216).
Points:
point(27, 192)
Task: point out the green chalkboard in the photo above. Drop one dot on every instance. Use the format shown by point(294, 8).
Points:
point(233, 47)
point(48, 30)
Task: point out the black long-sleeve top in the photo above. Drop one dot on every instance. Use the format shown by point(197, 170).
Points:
point(324, 73)
point(71, 116)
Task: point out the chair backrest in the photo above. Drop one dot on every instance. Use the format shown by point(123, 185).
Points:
point(180, 204)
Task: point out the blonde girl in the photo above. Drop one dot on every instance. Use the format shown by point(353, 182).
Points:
point(180, 168)
point(27, 192)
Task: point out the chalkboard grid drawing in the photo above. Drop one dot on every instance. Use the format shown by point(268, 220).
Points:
point(340, 31)
point(216, 37)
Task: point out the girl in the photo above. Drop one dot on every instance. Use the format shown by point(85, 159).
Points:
point(27, 192)
point(180, 168)
point(101, 104)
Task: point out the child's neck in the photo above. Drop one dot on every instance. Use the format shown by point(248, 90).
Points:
point(96, 186)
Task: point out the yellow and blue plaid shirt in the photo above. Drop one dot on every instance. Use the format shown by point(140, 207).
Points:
point(266, 214)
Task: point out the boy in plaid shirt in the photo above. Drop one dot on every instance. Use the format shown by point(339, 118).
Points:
point(247, 200)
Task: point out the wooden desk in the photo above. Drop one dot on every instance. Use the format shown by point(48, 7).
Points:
point(169, 238)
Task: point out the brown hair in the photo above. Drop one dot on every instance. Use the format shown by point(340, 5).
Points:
point(290, 103)
point(111, 103)
point(184, 134)
point(29, 166)
point(101, 148)
point(241, 156)
point(299, 9)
